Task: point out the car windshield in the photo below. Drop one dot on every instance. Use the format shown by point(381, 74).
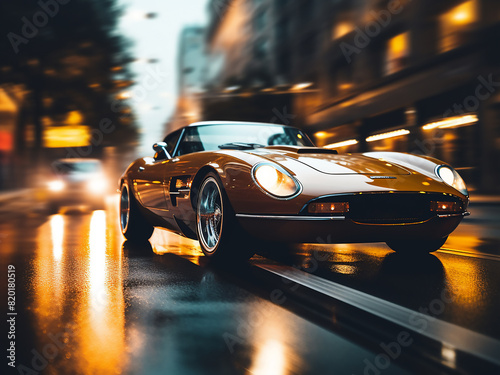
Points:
point(215, 137)
point(61, 167)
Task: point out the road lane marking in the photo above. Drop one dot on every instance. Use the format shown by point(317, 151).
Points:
point(469, 254)
point(450, 335)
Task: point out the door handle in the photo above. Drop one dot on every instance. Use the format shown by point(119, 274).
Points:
point(141, 169)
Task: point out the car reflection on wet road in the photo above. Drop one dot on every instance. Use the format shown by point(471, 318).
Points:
point(89, 303)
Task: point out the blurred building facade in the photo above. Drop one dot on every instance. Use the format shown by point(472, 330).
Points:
point(11, 97)
point(191, 67)
point(365, 75)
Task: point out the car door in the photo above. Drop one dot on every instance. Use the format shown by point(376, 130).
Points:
point(178, 177)
point(151, 182)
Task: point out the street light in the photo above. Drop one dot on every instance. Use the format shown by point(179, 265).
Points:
point(125, 95)
point(138, 15)
point(389, 135)
point(301, 86)
point(350, 142)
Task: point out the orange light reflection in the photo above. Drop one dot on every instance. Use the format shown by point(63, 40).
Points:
point(57, 232)
point(465, 276)
point(270, 359)
point(166, 242)
point(77, 294)
point(274, 340)
point(102, 337)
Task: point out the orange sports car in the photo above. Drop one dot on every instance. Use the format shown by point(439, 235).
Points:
point(237, 187)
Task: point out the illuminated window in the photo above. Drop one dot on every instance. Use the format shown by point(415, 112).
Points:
point(344, 79)
point(398, 51)
point(260, 20)
point(455, 23)
point(341, 29)
point(261, 48)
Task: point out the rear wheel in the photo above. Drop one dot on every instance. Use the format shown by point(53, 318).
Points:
point(416, 246)
point(218, 232)
point(133, 225)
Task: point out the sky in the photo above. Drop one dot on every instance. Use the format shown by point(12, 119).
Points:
point(155, 93)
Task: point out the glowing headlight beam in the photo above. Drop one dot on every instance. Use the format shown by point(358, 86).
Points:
point(56, 185)
point(275, 181)
point(447, 175)
point(452, 178)
point(97, 186)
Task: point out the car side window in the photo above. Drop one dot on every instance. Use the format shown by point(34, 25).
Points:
point(171, 141)
point(190, 143)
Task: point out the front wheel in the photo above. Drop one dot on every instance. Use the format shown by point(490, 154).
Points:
point(133, 225)
point(416, 246)
point(218, 232)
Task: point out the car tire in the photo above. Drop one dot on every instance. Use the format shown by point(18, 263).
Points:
point(134, 226)
point(218, 232)
point(416, 246)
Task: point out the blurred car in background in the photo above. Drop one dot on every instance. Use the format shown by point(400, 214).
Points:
point(77, 182)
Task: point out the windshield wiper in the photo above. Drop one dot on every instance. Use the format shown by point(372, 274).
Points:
point(240, 146)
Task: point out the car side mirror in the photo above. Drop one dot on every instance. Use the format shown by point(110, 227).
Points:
point(161, 151)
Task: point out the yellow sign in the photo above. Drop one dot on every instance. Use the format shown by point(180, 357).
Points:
point(66, 136)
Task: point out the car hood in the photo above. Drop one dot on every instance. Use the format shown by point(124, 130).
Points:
point(326, 161)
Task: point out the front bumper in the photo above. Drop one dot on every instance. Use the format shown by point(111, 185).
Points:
point(339, 229)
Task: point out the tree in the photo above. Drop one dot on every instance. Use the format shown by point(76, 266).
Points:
point(69, 57)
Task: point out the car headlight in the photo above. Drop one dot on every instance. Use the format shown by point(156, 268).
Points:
point(56, 185)
point(452, 178)
point(275, 181)
point(97, 186)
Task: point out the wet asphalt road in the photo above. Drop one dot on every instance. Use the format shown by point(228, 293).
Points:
point(89, 303)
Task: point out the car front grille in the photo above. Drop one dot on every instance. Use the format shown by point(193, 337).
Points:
point(391, 208)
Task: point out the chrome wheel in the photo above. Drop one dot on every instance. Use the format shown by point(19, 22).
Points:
point(124, 209)
point(210, 219)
